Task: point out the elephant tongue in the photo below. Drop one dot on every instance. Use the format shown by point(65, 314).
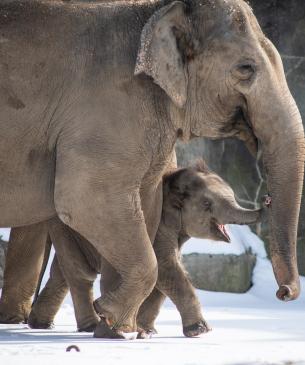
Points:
point(223, 230)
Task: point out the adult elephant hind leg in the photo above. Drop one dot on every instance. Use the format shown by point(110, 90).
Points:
point(23, 265)
point(77, 272)
point(49, 300)
point(113, 222)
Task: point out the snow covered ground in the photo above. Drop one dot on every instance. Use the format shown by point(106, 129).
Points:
point(252, 328)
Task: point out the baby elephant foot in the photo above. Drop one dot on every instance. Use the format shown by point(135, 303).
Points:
point(144, 334)
point(196, 329)
point(36, 323)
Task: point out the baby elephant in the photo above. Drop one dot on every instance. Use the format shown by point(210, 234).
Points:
point(196, 203)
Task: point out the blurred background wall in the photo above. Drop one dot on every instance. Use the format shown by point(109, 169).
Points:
point(283, 21)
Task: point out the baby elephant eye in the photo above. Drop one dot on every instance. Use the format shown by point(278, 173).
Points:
point(206, 205)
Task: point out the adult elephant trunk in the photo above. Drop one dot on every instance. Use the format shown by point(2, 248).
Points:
point(285, 168)
point(277, 124)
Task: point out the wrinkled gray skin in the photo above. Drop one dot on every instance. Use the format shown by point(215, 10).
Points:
point(93, 97)
point(195, 202)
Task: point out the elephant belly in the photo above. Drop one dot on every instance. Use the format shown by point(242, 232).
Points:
point(26, 189)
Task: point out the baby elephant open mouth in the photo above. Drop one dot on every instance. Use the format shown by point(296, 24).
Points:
point(220, 231)
point(223, 230)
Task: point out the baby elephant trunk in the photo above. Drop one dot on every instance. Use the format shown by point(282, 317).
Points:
point(235, 214)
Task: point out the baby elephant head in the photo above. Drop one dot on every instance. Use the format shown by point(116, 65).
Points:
point(203, 203)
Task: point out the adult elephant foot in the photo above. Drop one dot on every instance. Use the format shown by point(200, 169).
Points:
point(104, 330)
point(109, 327)
point(196, 329)
point(35, 323)
point(12, 318)
point(11, 313)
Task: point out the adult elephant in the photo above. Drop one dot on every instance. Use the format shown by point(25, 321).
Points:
point(94, 96)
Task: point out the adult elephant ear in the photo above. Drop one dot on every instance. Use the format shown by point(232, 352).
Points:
point(160, 55)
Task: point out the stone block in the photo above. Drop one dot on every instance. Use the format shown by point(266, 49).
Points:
point(3, 248)
point(222, 273)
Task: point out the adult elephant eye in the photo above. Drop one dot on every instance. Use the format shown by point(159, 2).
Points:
point(243, 71)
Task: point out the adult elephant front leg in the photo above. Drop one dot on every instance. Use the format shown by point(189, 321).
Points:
point(108, 214)
point(149, 309)
point(22, 271)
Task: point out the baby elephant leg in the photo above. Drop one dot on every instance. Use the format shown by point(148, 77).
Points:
point(49, 300)
point(173, 282)
point(149, 311)
point(77, 272)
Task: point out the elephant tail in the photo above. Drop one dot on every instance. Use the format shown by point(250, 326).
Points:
point(43, 268)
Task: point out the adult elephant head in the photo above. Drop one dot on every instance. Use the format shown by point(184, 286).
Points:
point(226, 78)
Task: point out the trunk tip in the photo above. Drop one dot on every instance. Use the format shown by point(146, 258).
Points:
point(286, 293)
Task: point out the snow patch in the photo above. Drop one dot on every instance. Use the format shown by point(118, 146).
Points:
point(5, 233)
point(242, 240)
point(251, 328)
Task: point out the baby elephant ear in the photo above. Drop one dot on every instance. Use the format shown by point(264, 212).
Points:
point(176, 199)
point(160, 56)
point(178, 194)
